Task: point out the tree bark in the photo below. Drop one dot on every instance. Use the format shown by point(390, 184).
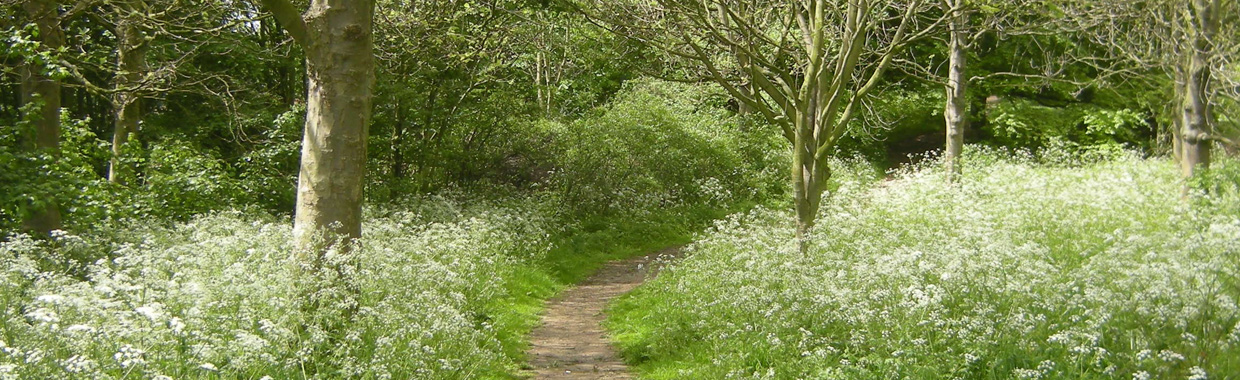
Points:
point(1198, 120)
point(340, 67)
point(955, 112)
point(38, 87)
point(127, 100)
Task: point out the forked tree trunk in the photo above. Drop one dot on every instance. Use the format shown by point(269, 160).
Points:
point(127, 100)
point(340, 68)
point(1203, 25)
point(810, 173)
point(36, 86)
point(955, 109)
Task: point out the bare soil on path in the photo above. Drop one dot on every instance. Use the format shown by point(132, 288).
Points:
point(571, 342)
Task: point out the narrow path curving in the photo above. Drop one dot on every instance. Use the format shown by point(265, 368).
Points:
point(571, 342)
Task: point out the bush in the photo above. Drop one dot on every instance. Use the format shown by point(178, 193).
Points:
point(1025, 124)
point(656, 145)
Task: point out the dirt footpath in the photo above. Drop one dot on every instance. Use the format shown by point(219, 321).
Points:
point(571, 343)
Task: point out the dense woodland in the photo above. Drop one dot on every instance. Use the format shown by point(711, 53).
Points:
point(289, 189)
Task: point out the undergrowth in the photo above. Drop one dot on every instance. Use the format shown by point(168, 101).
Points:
point(1024, 270)
point(444, 289)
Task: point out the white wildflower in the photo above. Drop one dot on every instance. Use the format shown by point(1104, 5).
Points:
point(1170, 356)
point(44, 315)
point(154, 313)
point(80, 329)
point(1196, 373)
point(1144, 355)
point(77, 364)
point(51, 298)
point(176, 325)
point(129, 356)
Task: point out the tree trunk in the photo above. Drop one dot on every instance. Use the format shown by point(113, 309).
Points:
point(1177, 118)
point(340, 68)
point(743, 108)
point(809, 177)
point(127, 101)
point(1196, 108)
point(37, 86)
point(398, 142)
point(955, 112)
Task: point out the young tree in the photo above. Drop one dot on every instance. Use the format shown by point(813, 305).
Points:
point(337, 38)
point(810, 64)
point(967, 21)
point(131, 70)
point(150, 55)
point(956, 103)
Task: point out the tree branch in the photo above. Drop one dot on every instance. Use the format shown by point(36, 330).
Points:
point(289, 18)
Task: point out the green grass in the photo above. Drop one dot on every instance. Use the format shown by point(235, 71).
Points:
point(578, 253)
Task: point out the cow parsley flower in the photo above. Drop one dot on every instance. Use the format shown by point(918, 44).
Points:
point(129, 356)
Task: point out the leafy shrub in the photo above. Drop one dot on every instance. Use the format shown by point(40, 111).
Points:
point(1025, 124)
point(658, 144)
point(183, 181)
point(67, 177)
point(1021, 271)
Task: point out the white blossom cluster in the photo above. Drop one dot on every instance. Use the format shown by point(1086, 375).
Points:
point(220, 297)
point(1019, 271)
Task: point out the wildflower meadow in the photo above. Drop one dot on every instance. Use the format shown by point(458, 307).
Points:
point(1022, 270)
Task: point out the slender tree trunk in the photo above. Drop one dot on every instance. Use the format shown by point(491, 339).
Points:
point(955, 112)
point(425, 171)
point(340, 66)
point(1177, 118)
point(127, 101)
point(1196, 108)
point(398, 142)
point(36, 86)
point(539, 86)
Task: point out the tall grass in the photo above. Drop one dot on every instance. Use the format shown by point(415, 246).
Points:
point(1021, 271)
